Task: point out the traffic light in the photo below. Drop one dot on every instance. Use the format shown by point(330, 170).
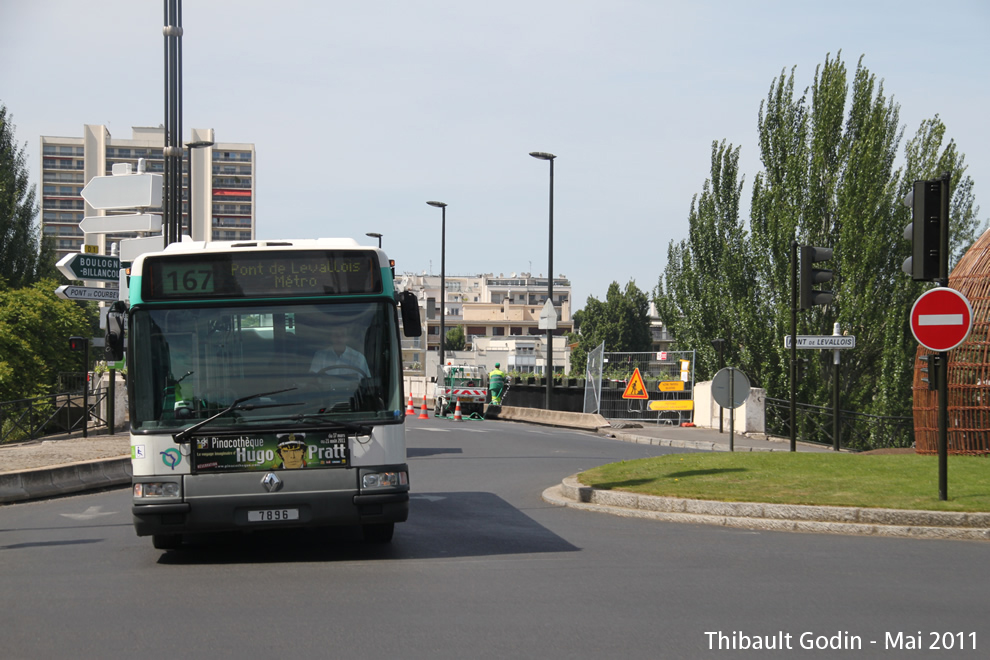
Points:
point(77, 343)
point(928, 230)
point(928, 370)
point(812, 276)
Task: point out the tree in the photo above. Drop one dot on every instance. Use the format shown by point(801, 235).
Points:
point(705, 301)
point(35, 326)
point(23, 258)
point(622, 321)
point(456, 340)
point(829, 180)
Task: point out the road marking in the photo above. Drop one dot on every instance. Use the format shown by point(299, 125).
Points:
point(940, 319)
point(428, 498)
point(89, 514)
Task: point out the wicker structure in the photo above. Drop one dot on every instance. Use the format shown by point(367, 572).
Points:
point(969, 368)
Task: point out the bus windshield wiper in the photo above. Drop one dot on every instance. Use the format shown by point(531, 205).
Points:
point(182, 435)
point(360, 429)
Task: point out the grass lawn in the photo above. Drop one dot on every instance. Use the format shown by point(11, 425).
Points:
point(892, 481)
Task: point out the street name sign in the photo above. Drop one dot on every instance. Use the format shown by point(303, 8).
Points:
point(822, 341)
point(125, 191)
point(109, 224)
point(941, 319)
point(79, 266)
point(69, 292)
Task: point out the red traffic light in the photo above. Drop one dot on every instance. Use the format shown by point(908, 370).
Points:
point(77, 343)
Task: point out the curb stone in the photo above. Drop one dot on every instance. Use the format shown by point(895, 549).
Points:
point(774, 517)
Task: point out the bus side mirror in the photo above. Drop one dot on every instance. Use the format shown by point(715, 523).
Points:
point(411, 324)
point(113, 349)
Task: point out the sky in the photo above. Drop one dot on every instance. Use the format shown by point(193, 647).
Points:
point(361, 112)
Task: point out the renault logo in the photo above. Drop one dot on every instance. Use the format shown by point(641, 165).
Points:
point(271, 482)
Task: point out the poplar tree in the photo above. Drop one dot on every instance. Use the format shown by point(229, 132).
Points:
point(23, 257)
point(829, 179)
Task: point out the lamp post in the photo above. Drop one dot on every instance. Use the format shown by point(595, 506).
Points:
point(198, 144)
point(443, 275)
point(541, 155)
point(374, 234)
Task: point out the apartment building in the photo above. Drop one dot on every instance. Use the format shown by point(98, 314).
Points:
point(500, 315)
point(220, 175)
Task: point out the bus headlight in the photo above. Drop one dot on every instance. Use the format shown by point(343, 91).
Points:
point(156, 489)
point(384, 480)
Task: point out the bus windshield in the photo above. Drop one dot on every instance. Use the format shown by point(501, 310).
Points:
point(312, 364)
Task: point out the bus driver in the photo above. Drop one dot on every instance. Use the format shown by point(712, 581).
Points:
point(340, 358)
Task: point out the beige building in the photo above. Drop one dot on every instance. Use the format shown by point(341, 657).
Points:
point(221, 177)
point(500, 316)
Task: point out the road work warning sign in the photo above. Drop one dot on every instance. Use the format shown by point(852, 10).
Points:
point(635, 389)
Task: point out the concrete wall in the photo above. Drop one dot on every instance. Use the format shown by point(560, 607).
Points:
point(749, 416)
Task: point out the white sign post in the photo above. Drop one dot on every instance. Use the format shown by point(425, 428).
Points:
point(822, 341)
point(69, 292)
point(548, 317)
point(110, 224)
point(126, 191)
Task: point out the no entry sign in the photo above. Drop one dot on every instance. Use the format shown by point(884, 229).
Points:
point(941, 319)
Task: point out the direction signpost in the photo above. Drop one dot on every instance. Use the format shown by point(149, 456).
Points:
point(69, 292)
point(125, 191)
point(941, 319)
point(79, 266)
point(110, 224)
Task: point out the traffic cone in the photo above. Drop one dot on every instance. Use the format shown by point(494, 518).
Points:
point(422, 413)
point(409, 408)
point(457, 411)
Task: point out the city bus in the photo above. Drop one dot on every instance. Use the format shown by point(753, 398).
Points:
point(265, 388)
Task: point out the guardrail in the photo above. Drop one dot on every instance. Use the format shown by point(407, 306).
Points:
point(857, 431)
point(65, 412)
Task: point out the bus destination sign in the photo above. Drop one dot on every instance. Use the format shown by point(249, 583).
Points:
point(246, 275)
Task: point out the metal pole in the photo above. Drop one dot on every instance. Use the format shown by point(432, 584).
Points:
point(443, 282)
point(111, 394)
point(942, 377)
point(732, 410)
point(166, 218)
point(550, 298)
point(794, 304)
point(85, 416)
point(172, 151)
point(836, 415)
point(443, 276)
point(720, 345)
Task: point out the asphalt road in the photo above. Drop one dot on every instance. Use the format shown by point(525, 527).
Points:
point(483, 569)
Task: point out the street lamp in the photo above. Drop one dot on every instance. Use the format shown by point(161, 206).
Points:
point(541, 155)
point(443, 274)
point(198, 144)
point(374, 234)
